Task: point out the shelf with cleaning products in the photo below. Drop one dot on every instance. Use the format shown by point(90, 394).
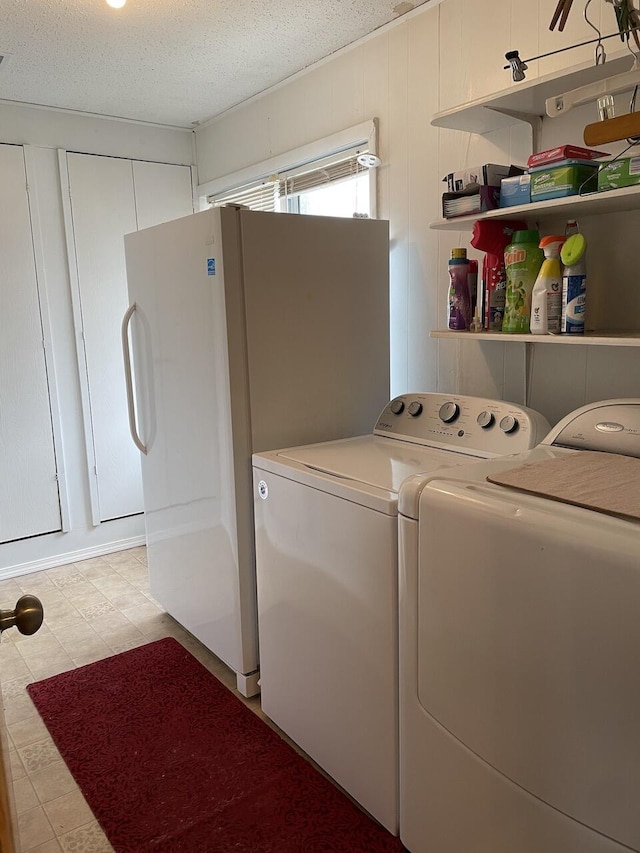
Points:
point(526, 101)
point(573, 206)
point(603, 339)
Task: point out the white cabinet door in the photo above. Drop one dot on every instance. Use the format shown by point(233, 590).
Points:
point(163, 192)
point(103, 211)
point(111, 197)
point(29, 500)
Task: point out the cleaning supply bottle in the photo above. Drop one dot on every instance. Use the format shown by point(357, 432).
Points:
point(546, 296)
point(492, 237)
point(522, 260)
point(459, 314)
point(574, 285)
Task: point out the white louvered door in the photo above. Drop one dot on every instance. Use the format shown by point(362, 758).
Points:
point(111, 197)
point(29, 498)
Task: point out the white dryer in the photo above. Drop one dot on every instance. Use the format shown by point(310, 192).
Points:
point(520, 646)
point(326, 561)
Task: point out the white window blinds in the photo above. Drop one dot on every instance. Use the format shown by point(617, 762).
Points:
point(266, 193)
point(339, 167)
point(259, 195)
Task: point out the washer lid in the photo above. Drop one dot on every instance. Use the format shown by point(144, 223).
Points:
point(367, 470)
point(373, 460)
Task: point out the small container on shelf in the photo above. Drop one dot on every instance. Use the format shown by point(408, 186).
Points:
point(624, 172)
point(515, 190)
point(571, 177)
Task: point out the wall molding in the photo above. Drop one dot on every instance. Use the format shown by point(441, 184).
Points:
point(28, 568)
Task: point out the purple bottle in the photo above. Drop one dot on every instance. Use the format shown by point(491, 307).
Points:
point(459, 297)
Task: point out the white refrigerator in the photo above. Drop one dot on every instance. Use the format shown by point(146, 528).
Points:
point(247, 331)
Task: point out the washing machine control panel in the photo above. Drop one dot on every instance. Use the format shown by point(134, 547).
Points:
point(473, 425)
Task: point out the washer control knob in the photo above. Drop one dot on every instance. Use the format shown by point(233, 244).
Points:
point(397, 407)
point(449, 412)
point(415, 408)
point(485, 419)
point(509, 424)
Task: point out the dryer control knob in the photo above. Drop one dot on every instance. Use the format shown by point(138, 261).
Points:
point(397, 407)
point(449, 412)
point(485, 419)
point(415, 408)
point(509, 424)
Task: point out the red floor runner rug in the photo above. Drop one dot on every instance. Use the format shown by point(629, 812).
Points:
point(169, 760)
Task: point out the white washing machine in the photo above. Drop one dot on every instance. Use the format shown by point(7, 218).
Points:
point(520, 646)
point(326, 561)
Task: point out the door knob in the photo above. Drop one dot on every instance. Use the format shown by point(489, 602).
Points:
point(27, 616)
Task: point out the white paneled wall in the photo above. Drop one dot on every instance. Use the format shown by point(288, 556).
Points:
point(42, 132)
point(433, 59)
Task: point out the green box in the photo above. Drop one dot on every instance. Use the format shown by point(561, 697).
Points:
point(560, 181)
point(619, 173)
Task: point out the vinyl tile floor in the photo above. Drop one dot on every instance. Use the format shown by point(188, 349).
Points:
point(93, 609)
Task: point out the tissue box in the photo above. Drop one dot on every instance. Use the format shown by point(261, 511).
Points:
point(516, 190)
point(488, 175)
point(567, 179)
point(619, 173)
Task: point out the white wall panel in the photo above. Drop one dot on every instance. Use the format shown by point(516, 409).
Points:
point(50, 128)
point(482, 52)
point(558, 379)
point(397, 209)
point(523, 36)
point(29, 502)
point(422, 170)
point(576, 30)
point(481, 370)
point(611, 373)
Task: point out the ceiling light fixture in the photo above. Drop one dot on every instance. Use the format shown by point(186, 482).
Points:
point(116, 4)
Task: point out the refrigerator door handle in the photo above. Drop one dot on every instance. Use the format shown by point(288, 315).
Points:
point(133, 427)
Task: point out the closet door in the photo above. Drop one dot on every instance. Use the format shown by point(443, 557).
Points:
point(163, 192)
point(103, 210)
point(29, 499)
point(111, 197)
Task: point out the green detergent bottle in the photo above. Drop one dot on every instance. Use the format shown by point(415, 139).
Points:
point(523, 258)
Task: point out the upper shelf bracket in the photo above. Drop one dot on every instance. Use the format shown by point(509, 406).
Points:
point(534, 121)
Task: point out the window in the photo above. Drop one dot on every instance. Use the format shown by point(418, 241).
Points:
point(338, 186)
point(326, 178)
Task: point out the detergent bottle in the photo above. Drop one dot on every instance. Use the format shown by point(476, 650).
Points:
point(492, 237)
point(522, 260)
point(459, 303)
point(546, 296)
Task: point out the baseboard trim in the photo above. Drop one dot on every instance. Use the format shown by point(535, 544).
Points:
point(70, 557)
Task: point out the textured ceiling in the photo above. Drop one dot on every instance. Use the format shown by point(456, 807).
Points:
point(170, 61)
